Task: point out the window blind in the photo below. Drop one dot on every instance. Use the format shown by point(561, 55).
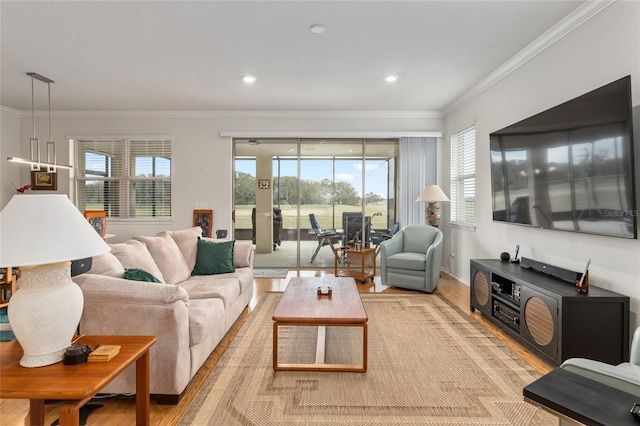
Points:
point(463, 177)
point(127, 178)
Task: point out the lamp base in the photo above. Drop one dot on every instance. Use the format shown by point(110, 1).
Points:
point(44, 313)
point(432, 214)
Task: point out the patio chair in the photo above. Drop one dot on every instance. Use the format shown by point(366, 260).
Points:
point(324, 237)
point(381, 236)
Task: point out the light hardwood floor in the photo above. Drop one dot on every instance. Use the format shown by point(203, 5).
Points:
point(121, 410)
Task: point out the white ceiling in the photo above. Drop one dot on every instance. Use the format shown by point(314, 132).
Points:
point(191, 55)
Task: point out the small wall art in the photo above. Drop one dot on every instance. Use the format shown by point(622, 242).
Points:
point(43, 180)
point(203, 219)
point(264, 183)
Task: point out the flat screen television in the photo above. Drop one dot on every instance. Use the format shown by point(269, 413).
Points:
point(571, 167)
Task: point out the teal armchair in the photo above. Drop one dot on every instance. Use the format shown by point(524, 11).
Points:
point(411, 258)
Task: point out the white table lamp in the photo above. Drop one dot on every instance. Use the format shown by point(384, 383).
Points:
point(432, 194)
point(41, 234)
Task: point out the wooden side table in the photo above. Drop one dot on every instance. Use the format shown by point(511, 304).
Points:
point(76, 384)
point(360, 263)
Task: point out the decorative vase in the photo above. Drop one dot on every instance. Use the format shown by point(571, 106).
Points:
point(432, 213)
point(44, 312)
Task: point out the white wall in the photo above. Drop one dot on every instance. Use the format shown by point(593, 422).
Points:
point(202, 160)
point(12, 175)
point(604, 49)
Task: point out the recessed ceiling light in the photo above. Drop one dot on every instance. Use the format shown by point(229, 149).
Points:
point(390, 78)
point(249, 79)
point(317, 28)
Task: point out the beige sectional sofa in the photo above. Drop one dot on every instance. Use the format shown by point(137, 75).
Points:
point(189, 314)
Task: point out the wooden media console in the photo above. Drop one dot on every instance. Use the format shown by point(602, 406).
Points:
point(546, 312)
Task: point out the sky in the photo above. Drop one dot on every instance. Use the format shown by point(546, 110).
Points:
point(346, 171)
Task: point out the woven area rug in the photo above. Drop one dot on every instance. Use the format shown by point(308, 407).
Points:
point(270, 273)
point(428, 364)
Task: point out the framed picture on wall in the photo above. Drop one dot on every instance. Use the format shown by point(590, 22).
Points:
point(203, 219)
point(97, 219)
point(43, 180)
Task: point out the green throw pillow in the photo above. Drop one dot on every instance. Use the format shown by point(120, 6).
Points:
point(214, 257)
point(137, 274)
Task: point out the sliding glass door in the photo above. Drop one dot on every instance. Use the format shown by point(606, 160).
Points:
point(293, 198)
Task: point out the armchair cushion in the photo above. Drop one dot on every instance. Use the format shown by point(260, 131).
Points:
point(412, 261)
point(419, 242)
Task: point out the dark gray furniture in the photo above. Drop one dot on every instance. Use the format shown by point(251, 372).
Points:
point(570, 395)
point(549, 315)
point(276, 220)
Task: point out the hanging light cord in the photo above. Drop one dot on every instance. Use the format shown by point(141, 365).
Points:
point(49, 93)
point(33, 112)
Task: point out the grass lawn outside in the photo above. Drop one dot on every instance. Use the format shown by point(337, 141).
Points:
point(324, 213)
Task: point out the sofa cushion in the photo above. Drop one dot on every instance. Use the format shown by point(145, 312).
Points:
point(242, 255)
point(107, 264)
point(220, 287)
point(214, 257)
point(187, 241)
point(168, 258)
point(137, 274)
point(134, 254)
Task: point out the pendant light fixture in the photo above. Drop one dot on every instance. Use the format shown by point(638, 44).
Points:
point(34, 143)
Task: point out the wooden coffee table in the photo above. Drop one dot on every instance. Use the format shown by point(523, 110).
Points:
point(76, 384)
point(301, 306)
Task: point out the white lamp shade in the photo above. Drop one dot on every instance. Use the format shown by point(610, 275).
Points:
point(432, 193)
point(43, 229)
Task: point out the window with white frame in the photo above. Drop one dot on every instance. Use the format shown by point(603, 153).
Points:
point(463, 177)
point(128, 178)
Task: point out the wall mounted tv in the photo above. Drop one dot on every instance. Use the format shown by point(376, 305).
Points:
point(571, 167)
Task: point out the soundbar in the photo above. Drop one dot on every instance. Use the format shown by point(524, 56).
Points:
point(553, 271)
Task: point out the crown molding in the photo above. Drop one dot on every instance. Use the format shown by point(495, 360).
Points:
point(572, 21)
point(393, 134)
point(235, 114)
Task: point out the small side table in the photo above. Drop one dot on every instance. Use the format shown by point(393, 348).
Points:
point(76, 384)
point(580, 400)
point(360, 263)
